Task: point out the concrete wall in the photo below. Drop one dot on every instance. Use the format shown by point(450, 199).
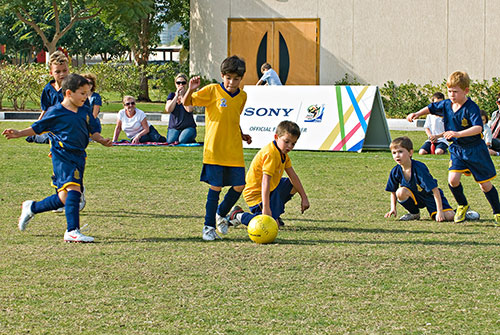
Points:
point(373, 40)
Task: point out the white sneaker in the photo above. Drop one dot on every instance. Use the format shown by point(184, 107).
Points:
point(83, 202)
point(209, 233)
point(471, 215)
point(77, 236)
point(222, 224)
point(410, 216)
point(232, 217)
point(26, 214)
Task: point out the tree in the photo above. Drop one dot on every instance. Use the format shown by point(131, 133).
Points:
point(52, 28)
point(142, 34)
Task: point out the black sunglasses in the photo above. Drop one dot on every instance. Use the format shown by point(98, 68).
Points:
point(129, 103)
point(181, 82)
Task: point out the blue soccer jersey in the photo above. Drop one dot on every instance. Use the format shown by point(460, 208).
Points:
point(68, 129)
point(50, 96)
point(467, 116)
point(421, 184)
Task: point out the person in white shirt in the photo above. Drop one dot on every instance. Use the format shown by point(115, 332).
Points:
point(135, 124)
point(487, 135)
point(269, 77)
point(434, 128)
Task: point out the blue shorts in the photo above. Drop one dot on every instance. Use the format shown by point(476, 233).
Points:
point(277, 198)
point(68, 168)
point(220, 176)
point(440, 145)
point(429, 202)
point(475, 160)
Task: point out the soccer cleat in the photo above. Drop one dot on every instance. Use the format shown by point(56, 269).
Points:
point(409, 217)
point(471, 215)
point(460, 213)
point(280, 222)
point(83, 202)
point(59, 210)
point(497, 220)
point(232, 217)
point(26, 214)
point(77, 236)
point(222, 224)
point(209, 234)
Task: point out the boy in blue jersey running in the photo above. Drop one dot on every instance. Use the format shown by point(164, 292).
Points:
point(223, 162)
point(469, 153)
point(69, 124)
point(412, 185)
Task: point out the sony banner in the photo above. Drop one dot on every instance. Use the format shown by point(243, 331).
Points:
point(333, 118)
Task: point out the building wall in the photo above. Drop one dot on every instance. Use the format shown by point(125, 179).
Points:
point(372, 40)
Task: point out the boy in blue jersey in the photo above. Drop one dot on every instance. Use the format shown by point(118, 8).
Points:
point(223, 163)
point(69, 124)
point(469, 153)
point(412, 185)
point(52, 92)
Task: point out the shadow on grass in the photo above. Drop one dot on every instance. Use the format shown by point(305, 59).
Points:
point(373, 230)
point(131, 214)
point(411, 242)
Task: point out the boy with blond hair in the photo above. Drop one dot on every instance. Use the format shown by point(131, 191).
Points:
point(468, 152)
point(266, 191)
point(52, 92)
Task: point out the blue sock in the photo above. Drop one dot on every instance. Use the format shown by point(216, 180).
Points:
point(48, 204)
point(211, 207)
point(410, 206)
point(246, 218)
point(458, 194)
point(229, 200)
point(492, 196)
point(72, 210)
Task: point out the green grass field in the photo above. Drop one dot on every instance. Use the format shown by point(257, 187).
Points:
point(339, 268)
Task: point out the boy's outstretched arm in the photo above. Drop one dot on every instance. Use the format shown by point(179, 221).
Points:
point(13, 133)
point(294, 178)
point(104, 141)
point(439, 205)
point(413, 116)
point(393, 210)
point(194, 83)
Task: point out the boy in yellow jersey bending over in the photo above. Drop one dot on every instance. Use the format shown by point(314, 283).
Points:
point(223, 163)
point(266, 191)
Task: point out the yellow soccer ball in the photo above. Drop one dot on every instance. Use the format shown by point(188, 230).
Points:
point(262, 229)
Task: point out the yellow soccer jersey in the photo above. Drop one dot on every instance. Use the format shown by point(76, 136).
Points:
point(223, 143)
point(271, 161)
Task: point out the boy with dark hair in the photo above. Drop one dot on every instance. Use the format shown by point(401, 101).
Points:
point(469, 154)
point(412, 185)
point(266, 191)
point(269, 76)
point(69, 124)
point(223, 163)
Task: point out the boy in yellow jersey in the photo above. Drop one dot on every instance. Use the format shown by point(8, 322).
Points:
point(266, 191)
point(223, 163)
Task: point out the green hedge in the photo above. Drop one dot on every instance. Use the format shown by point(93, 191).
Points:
point(19, 84)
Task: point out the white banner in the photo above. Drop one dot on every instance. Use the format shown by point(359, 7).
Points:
point(336, 118)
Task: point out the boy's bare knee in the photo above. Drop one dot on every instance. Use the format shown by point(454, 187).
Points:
point(216, 188)
point(402, 194)
point(486, 187)
point(439, 152)
point(422, 152)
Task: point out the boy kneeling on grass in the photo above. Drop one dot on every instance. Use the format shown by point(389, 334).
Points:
point(412, 185)
point(266, 192)
point(69, 124)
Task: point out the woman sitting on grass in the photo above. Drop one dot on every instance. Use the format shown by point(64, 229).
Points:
point(134, 123)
